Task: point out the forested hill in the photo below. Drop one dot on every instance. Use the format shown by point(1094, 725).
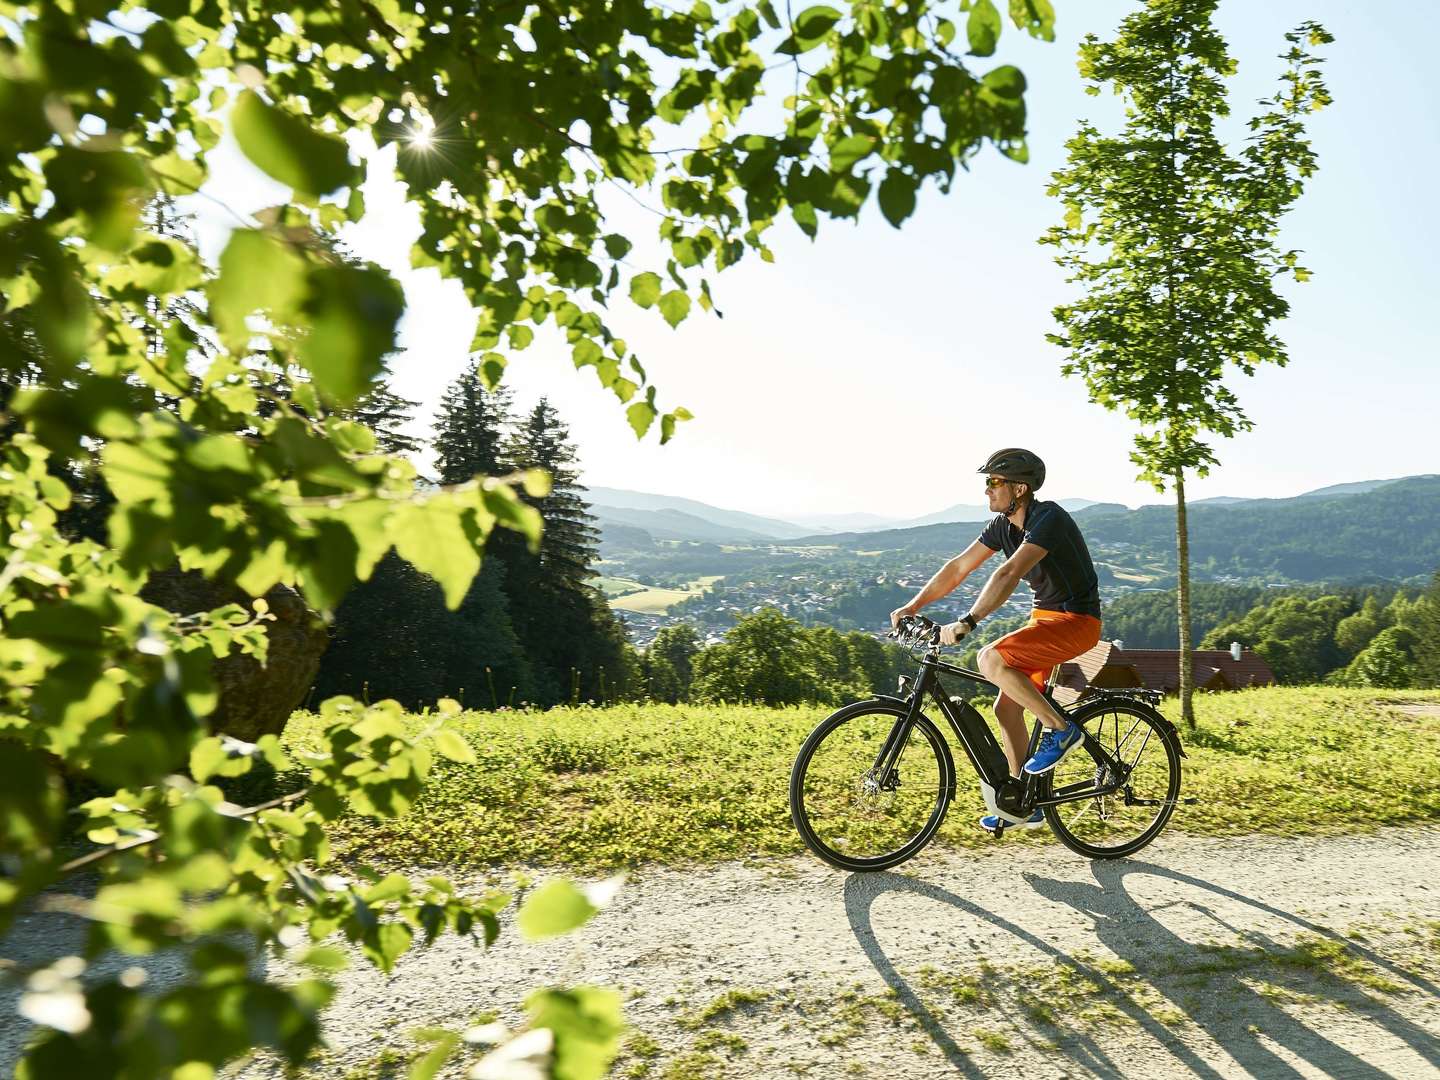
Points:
point(1391, 533)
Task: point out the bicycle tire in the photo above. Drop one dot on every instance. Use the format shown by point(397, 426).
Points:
point(836, 812)
point(1098, 828)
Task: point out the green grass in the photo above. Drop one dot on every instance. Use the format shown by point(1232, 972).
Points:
point(613, 586)
point(652, 600)
point(597, 789)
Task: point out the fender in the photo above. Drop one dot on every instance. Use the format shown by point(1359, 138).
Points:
point(1133, 696)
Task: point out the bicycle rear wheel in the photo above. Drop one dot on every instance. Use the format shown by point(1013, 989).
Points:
point(855, 819)
point(1148, 753)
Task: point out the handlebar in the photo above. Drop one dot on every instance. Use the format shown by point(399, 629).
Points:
point(916, 630)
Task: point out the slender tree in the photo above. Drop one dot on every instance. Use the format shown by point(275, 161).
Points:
point(1173, 239)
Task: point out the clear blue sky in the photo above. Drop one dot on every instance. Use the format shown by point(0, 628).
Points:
point(834, 365)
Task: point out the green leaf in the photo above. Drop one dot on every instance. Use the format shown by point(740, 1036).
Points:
point(453, 745)
point(586, 353)
point(384, 946)
point(1006, 82)
point(106, 188)
point(645, 289)
point(897, 196)
point(391, 887)
point(217, 756)
point(1035, 17)
point(641, 415)
point(847, 151)
point(675, 305)
point(288, 148)
point(586, 1022)
point(492, 369)
point(430, 536)
point(176, 174)
point(983, 28)
point(428, 1066)
point(161, 266)
point(812, 24)
point(32, 800)
point(257, 273)
point(325, 958)
point(557, 907)
point(352, 313)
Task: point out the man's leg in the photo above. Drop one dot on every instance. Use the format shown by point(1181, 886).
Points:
point(1016, 686)
point(1013, 732)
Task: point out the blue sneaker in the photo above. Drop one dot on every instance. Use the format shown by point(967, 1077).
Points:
point(991, 822)
point(1054, 745)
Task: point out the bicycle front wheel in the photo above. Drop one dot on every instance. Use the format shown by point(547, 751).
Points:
point(1123, 821)
point(850, 815)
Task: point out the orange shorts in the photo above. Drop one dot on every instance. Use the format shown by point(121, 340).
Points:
point(1049, 638)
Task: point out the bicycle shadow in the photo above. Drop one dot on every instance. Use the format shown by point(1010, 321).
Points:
point(1122, 924)
point(861, 892)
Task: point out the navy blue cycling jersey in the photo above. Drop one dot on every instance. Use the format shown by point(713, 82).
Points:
point(1064, 580)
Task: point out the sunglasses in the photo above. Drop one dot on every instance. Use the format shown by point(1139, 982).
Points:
point(995, 481)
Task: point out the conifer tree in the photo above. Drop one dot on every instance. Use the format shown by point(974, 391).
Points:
point(573, 639)
point(571, 542)
point(471, 429)
point(386, 413)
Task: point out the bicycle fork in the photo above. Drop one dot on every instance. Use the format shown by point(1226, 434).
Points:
point(883, 772)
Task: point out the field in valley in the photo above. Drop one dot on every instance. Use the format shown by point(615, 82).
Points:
point(626, 595)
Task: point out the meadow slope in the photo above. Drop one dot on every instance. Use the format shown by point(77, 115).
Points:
point(605, 788)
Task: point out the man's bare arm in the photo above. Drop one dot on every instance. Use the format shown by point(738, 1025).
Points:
point(946, 579)
point(1006, 576)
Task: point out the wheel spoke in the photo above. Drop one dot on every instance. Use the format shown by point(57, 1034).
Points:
point(1110, 823)
point(849, 813)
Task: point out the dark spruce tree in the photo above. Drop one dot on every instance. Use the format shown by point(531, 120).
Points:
point(393, 636)
point(386, 413)
point(471, 429)
point(574, 641)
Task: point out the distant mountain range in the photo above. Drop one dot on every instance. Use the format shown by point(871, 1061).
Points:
point(671, 517)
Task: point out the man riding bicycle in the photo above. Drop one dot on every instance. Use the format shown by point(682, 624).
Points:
point(1042, 545)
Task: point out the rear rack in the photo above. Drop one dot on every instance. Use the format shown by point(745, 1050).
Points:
point(1141, 693)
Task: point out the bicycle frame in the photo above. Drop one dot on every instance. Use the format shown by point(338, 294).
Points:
point(1010, 799)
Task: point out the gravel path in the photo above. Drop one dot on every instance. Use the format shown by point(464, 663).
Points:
point(1264, 956)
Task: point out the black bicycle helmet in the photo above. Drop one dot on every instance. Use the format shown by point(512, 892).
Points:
point(1015, 464)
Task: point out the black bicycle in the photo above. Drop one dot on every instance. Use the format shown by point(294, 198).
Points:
point(872, 782)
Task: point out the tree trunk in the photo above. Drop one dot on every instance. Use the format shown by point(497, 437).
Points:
point(1182, 546)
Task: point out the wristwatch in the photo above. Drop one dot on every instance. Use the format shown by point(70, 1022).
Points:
point(969, 620)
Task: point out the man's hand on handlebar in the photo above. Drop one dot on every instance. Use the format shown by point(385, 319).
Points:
point(951, 633)
point(920, 630)
point(900, 613)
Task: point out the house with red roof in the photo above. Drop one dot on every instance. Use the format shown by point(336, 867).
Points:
point(1109, 665)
